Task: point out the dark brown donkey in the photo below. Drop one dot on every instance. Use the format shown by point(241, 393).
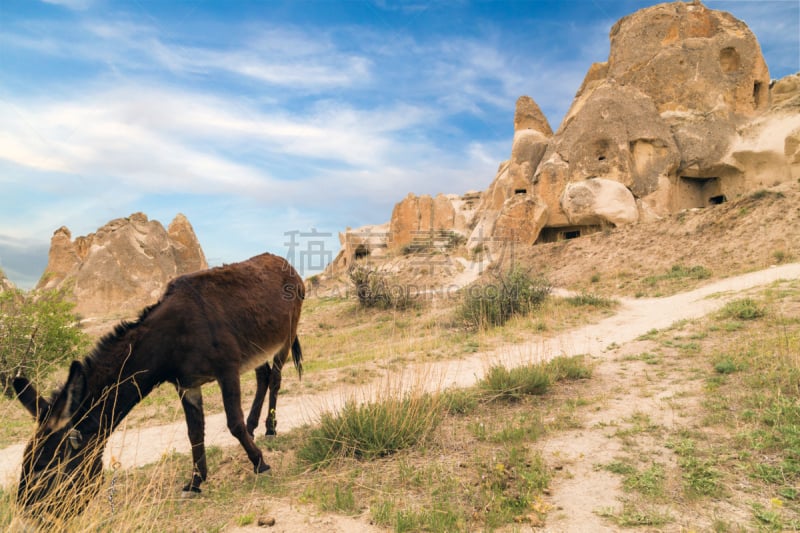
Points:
point(210, 325)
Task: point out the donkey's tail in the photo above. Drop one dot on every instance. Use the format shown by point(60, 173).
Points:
point(297, 356)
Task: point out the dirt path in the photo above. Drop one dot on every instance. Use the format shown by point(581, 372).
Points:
point(635, 317)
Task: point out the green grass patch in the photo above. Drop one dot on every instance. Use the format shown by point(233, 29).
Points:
point(742, 309)
point(501, 383)
point(371, 430)
point(591, 300)
point(634, 515)
point(679, 272)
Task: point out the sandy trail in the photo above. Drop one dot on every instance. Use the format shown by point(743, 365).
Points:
point(137, 447)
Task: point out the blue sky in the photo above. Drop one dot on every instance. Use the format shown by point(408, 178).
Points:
point(263, 119)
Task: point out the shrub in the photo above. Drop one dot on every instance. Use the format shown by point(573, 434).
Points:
point(492, 304)
point(371, 430)
point(572, 368)
point(513, 384)
point(375, 289)
point(742, 309)
point(38, 332)
point(501, 383)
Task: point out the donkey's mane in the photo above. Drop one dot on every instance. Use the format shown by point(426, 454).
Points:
point(104, 347)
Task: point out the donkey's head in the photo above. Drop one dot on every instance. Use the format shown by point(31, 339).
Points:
point(62, 463)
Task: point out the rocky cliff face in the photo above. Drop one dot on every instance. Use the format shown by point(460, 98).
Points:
point(122, 267)
point(682, 115)
point(678, 117)
point(417, 221)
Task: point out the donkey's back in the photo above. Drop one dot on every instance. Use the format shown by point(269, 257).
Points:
point(234, 317)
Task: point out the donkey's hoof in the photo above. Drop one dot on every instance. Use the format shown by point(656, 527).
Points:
point(271, 433)
point(262, 467)
point(190, 491)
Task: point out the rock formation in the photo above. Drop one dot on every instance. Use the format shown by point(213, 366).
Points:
point(122, 267)
point(678, 117)
point(421, 218)
point(682, 115)
point(508, 209)
point(417, 221)
point(5, 283)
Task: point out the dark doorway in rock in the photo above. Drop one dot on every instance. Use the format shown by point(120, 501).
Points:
point(757, 96)
point(565, 233)
point(693, 192)
point(520, 191)
point(361, 252)
point(716, 200)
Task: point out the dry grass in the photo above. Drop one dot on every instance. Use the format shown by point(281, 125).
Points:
point(733, 463)
point(474, 469)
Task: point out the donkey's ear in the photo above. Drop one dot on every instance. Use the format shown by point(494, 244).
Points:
point(71, 397)
point(30, 399)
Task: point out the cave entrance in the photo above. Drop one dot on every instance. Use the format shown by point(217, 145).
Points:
point(716, 200)
point(698, 192)
point(565, 233)
point(361, 252)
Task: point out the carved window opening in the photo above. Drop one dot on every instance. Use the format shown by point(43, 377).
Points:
point(565, 233)
point(361, 252)
point(729, 60)
point(756, 93)
point(520, 191)
point(716, 200)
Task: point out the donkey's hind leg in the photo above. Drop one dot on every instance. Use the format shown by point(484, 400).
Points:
point(192, 401)
point(274, 387)
point(232, 400)
point(262, 380)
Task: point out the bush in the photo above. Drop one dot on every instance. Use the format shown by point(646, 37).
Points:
point(375, 289)
point(570, 368)
point(492, 304)
point(742, 309)
point(38, 332)
point(513, 384)
point(371, 430)
point(501, 383)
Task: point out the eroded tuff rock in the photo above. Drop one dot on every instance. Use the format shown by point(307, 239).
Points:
point(506, 205)
point(679, 116)
point(682, 115)
point(5, 283)
point(123, 266)
point(689, 58)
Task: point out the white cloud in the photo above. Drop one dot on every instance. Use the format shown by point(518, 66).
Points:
point(162, 140)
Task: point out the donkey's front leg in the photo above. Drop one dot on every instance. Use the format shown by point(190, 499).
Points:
point(232, 399)
point(192, 401)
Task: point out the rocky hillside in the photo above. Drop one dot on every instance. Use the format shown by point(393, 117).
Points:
point(123, 266)
point(682, 115)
